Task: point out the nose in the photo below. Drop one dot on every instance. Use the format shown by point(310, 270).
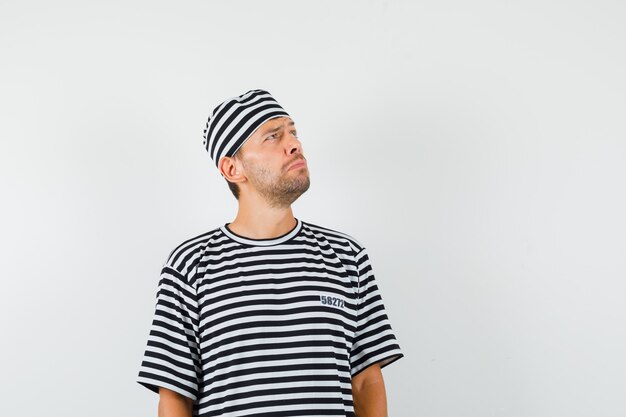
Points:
point(294, 146)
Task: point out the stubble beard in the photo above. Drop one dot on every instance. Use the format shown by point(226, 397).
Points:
point(278, 190)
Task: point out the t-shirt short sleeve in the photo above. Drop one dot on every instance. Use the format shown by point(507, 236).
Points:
point(374, 339)
point(172, 357)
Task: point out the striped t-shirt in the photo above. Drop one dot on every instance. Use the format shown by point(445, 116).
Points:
point(267, 327)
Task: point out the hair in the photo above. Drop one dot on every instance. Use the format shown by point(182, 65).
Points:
point(234, 188)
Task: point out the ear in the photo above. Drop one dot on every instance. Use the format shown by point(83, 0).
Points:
point(231, 169)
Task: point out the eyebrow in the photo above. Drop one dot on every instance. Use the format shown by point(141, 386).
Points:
point(277, 128)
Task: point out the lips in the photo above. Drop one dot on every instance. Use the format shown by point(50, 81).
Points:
point(298, 164)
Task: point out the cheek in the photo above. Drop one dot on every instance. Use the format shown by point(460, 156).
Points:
point(267, 159)
point(272, 162)
point(264, 167)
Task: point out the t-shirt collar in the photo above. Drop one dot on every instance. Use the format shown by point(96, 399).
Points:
point(262, 242)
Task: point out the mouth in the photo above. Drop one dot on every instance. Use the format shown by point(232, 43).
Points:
point(298, 164)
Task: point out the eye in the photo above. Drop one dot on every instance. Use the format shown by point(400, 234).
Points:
point(272, 136)
point(294, 133)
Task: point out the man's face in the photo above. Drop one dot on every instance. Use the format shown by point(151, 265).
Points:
point(267, 159)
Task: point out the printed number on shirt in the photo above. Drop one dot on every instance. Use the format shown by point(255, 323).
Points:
point(333, 301)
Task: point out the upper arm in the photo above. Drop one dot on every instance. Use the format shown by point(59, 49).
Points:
point(172, 403)
point(374, 340)
point(172, 358)
point(369, 375)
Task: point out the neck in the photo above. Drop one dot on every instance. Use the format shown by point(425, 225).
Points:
point(260, 221)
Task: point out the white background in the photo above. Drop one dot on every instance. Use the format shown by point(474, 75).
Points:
point(477, 148)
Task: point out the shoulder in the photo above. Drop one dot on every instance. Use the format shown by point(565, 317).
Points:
point(185, 255)
point(336, 238)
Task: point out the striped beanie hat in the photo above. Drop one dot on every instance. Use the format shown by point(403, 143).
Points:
point(235, 120)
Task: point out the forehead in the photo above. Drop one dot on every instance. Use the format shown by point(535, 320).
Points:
point(276, 123)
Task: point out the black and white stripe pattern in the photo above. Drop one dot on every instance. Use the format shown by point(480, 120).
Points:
point(235, 120)
point(267, 327)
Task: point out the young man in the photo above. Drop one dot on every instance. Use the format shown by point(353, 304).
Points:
point(267, 315)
